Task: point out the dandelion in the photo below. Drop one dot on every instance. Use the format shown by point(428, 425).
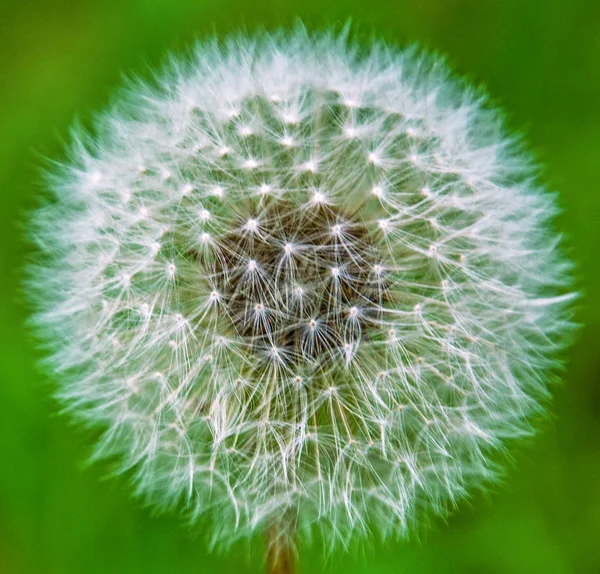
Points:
point(300, 284)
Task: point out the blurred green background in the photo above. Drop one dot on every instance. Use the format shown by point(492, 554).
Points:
point(540, 59)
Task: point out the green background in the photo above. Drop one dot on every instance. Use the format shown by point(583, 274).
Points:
point(540, 59)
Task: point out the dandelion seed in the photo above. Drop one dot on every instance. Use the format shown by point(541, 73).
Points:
point(217, 191)
point(374, 158)
point(318, 198)
point(251, 225)
point(377, 191)
point(187, 189)
point(265, 189)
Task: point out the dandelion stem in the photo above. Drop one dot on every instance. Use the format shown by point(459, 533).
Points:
point(280, 548)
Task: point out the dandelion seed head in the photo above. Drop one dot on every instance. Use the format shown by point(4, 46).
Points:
point(296, 278)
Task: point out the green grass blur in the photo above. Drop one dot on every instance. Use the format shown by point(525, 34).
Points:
point(60, 60)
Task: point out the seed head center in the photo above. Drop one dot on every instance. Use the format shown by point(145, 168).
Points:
point(303, 301)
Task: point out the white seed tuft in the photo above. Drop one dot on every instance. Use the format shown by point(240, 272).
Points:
point(264, 323)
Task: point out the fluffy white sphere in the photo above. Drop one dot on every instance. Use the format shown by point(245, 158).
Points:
point(296, 278)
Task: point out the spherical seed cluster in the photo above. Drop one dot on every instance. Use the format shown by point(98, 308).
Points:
point(297, 279)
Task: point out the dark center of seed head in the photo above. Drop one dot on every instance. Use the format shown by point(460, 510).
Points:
point(305, 283)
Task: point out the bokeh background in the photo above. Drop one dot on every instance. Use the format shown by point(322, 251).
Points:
point(61, 60)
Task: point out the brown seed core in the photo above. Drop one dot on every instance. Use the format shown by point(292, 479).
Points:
point(301, 285)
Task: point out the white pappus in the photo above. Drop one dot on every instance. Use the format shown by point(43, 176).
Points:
point(296, 277)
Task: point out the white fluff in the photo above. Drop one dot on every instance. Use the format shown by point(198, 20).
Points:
point(219, 377)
